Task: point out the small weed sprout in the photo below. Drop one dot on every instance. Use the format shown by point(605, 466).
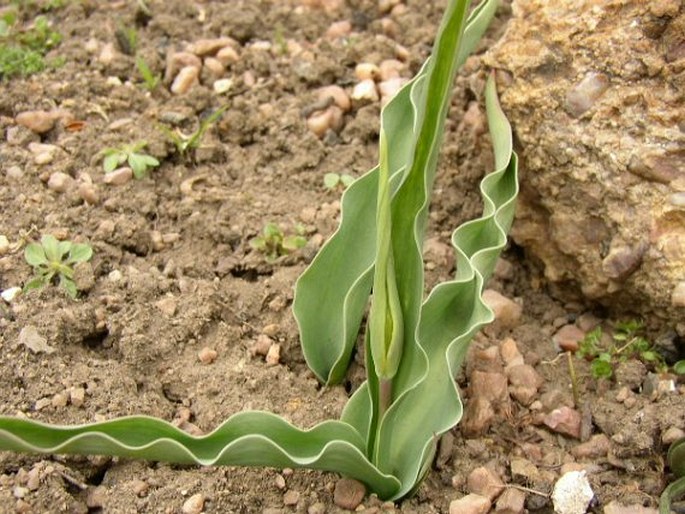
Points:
point(150, 80)
point(334, 180)
point(273, 243)
point(139, 162)
point(185, 143)
point(23, 52)
point(626, 343)
point(52, 258)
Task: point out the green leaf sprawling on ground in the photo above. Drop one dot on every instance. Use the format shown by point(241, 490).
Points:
point(387, 435)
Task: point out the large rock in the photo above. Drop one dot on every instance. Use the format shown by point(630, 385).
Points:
point(595, 90)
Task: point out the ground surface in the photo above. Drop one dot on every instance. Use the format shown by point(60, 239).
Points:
point(173, 271)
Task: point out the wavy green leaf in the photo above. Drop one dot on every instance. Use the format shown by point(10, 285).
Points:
point(387, 435)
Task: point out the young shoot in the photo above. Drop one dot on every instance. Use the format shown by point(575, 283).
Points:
point(150, 80)
point(334, 180)
point(53, 259)
point(131, 154)
point(273, 243)
point(185, 143)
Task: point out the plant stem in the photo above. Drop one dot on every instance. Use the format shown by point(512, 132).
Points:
point(385, 393)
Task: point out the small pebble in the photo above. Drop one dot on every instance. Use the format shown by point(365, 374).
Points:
point(671, 435)
point(364, 92)
point(60, 182)
point(390, 69)
point(60, 400)
point(10, 293)
point(214, 66)
point(291, 498)
point(338, 94)
point(279, 481)
point(389, 88)
point(273, 356)
point(511, 501)
point(366, 71)
point(470, 504)
point(207, 355)
point(317, 508)
point(227, 56)
point(261, 345)
point(484, 482)
point(77, 396)
point(178, 60)
point(488, 385)
point(88, 193)
point(167, 306)
point(564, 420)
point(119, 176)
point(186, 78)
point(598, 446)
point(211, 46)
point(525, 382)
point(222, 86)
point(510, 353)
point(348, 493)
point(194, 504)
point(39, 122)
point(338, 29)
point(583, 95)
point(507, 312)
point(33, 340)
point(678, 295)
point(96, 497)
point(572, 493)
point(568, 338)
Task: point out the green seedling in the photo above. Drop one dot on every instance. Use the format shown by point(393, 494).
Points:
point(127, 38)
point(334, 180)
point(414, 344)
point(676, 461)
point(151, 80)
point(131, 154)
point(55, 259)
point(627, 343)
point(22, 53)
point(185, 143)
point(274, 244)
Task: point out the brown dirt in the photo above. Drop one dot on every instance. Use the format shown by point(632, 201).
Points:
point(132, 343)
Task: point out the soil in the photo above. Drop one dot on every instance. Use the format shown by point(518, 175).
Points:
point(173, 271)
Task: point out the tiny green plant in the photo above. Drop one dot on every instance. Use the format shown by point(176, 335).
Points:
point(131, 154)
point(627, 342)
point(414, 344)
point(273, 243)
point(53, 259)
point(150, 80)
point(22, 52)
point(676, 461)
point(127, 38)
point(334, 180)
point(186, 143)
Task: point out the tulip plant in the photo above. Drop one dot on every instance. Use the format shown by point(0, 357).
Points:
point(414, 346)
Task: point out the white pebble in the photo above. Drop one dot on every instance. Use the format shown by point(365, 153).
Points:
point(186, 78)
point(572, 493)
point(10, 293)
point(222, 85)
point(365, 92)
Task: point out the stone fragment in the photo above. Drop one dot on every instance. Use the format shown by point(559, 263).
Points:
point(96, 497)
point(203, 47)
point(484, 482)
point(478, 417)
point(671, 435)
point(623, 260)
point(273, 356)
point(77, 396)
point(31, 338)
point(222, 86)
point(572, 493)
point(291, 497)
point(615, 507)
point(215, 67)
point(507, 312)
point(60, 182)
point(119, 176)
point(524, 469)
point(389, 88)
point(186, 78)
point(194, 504)
point(88, 193)
point(320, 122)
point(470, 504)
point(39, 122)
point(525, 382)
point(279, 481)
point(564, 420)
point(364, 93)
point(167, 305)
point(582, 96)
point(511, 501)
point(261, 345)
point(316, 508)
point(489, 386)
point(568, 338)
point(348, 493)
point(598, 446)
point(10, 293)
point(366, 71)
point(338, 94)
point(177, 60)
point(227, 56)
point(510, 353)
point(60, 400)
point(207, 355)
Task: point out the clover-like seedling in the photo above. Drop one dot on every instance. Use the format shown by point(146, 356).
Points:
point(139, 162)
point(627, 342)
point(273, 243)
point(333, 180)
point(55, 259)
point(185, 143)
